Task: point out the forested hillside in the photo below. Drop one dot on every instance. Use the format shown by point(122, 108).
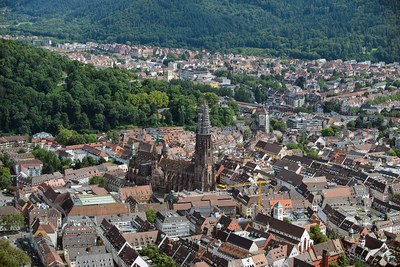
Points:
point(357, 29)
point(41, 91)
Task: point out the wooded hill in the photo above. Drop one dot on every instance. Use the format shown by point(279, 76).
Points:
point(43, 91)
point(357, 29)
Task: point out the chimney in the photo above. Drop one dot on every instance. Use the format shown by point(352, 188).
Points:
point(325, 258)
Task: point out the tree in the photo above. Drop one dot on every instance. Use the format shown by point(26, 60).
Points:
point(158, 258)
point(12, 256)
point(99, 180)
point(242, 94)
point(246, 134)
point(322, 85)
point(211, 98)
point(301, 81)
point(64, 135)
point(51, 162)
point(392, 153)
point(358, 86)
point(317, 236)
point(312, 153)
point(11, 222)
point(343, 261)
point(279, 125)
point(286, 220)
point(5, 178)
point(357, 262)
point(351, 124)
point(159, 99)
point(328, 132)
point(112, 135)
point(151, 215)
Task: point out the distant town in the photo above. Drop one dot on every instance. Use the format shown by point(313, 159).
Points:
point(310, 176)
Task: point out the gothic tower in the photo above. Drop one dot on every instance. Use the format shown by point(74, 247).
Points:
point(203, 160)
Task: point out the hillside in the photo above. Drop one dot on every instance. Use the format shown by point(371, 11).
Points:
point(42, 91)
point(358, 29)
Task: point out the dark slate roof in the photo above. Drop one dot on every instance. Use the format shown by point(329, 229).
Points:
point(177, 165)
point(221, 235)
point(239, 241)
point(279, 225)
point(215, 260)
point(290, 177)
point(286, 164)
point(128, 255)
point(115, 237)
point(106, 225)
point(360, 176)
point(224, 221)
point(298, 262)
point(143, 157)
point(305, 162)
point(378, 148)
point(375, 184)
point(372, 243)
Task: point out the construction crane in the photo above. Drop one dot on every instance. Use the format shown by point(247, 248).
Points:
point(259, 183)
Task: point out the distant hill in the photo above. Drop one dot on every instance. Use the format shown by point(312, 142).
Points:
point(356, 29)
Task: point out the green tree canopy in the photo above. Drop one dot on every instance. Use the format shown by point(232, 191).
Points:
point(328, 132)
point(158, 258)
point(99, 180)
point(11, 222)
point(151, 215)
point(81, 100)
point(317, 235)
point(5, 177)
point(346, 29)
point(11, 256)
point(279, 125)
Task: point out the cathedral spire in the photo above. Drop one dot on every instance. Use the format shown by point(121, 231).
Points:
point(204, 120)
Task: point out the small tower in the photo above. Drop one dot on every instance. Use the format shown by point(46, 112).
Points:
point(263, 119)
point(266, 228)
point(351, 233)
point(165, 150)
point(278, 211)
point(361, 241)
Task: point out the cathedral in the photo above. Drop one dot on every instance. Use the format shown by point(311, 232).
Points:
point(167, 174)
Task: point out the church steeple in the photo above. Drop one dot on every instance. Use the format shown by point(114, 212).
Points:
point(204, 120)
point(204, 162)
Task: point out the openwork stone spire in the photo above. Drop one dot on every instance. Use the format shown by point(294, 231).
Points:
point(204, 120)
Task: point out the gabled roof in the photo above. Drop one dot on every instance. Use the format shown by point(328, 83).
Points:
point(101, 209)
point(306, 162)
point(372, 243)
point(333, 247)
point(140, 193)
point(286, 164)
point(128, 255)
point(281, 226)
point(290, 177)
point(239, 241)
point(8, 210)
point(272, 148)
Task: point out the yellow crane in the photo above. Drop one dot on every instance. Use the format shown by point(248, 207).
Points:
point(259, 183)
